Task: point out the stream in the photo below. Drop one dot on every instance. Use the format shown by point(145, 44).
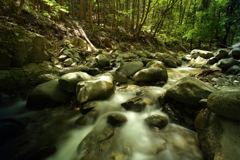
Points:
point(134, 140)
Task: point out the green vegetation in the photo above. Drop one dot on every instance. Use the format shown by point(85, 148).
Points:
point(193, 23)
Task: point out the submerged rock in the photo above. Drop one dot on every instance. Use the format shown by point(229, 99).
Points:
point(157, 121)
point(116, 119)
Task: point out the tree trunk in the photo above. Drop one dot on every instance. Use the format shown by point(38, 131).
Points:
point(90, 11)
point(20, 7)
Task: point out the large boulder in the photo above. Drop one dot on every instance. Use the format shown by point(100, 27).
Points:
point(234, 69)
point(99, 88)
point(169, 60)
point(226, 63)
point(102, 60)
point(151, 74)
point(69, 81)
point(218, 136)
point(130, 68)
point(235, 53)
point(202, 53)
point(47, 95)
point(156, 71)
point(190, 91)
point(225, 103)
point(221, 54)
point(198, 62)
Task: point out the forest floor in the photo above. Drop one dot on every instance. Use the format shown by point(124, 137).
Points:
point(102, 37)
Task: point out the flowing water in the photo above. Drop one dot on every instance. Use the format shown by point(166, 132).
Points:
point(134, 140)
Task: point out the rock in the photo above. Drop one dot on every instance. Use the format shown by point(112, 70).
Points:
point(119, 77)
point(157, 121)
point(198, 62)
point(225, 103)
point(130, 68)
point(39, 53)
point(220, 54)
point(5, 60)
point(62, 57)
point(69, 81)
point(218, 136)
point(235, 53)
point(234, 69)
point(212, 60)
point(187, 57)
point(202, 53)
point(155, 64)
point(138, 104)
point(151, 74)
point(87, 107)
point(116, 119)
point(102, 60)
point(45, 78)
point(156, 71)
point(225, 64)
point(168, 60)
point(54, 60)
point(96, 89)
point(46, 95)
point(190, 91)
point(68, 62)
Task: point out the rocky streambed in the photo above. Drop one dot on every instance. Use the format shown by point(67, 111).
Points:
point(122, 106)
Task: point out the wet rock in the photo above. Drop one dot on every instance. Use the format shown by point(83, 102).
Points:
point(130, 68)
point(156, 71)
point(157, 121)
point(169, 60)
point(235, 53)
point(151, 74)
point(202, 53)
point(47, 95)
point(87, 107)
point(190, 91)
point(137, 104)
point(198, 62)
point(235, 69)
point(102, 60)
point(221, 54)
point(119, 77)
point(69, 81)
point(187, 57)
point(116, 119)
point(225, 103)
point(96, 89)
point(218, 136)
point(225, 64)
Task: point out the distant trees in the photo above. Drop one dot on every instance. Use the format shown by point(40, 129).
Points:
point(196, 22)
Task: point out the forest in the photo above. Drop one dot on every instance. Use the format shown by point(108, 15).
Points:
point(119, 79)
point(195, 23)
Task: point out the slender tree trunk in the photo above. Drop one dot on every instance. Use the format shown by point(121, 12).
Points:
point(98, 12)
point(20, 7)
point(90, 11)
point(144, 18)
